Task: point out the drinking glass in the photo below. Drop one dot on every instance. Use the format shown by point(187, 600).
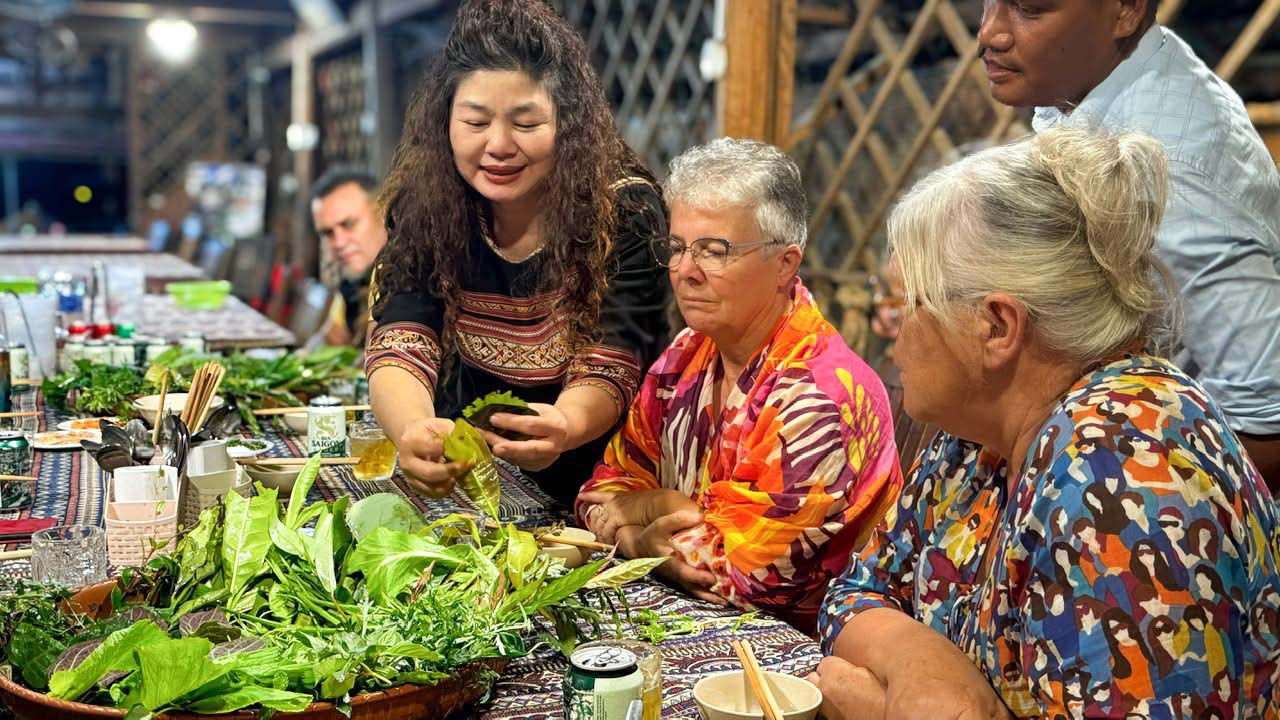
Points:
point(69, 555)
point(376, 452)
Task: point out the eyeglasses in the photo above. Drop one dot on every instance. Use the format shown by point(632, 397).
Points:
point(709, 254)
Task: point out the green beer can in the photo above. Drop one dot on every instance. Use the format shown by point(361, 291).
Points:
point(601, 683)
point(15, 459)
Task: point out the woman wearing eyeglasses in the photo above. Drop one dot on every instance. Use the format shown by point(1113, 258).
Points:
point(759, 450)
point(518, 254)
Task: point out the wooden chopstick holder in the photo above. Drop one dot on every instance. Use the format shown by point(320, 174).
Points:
point(759, 683)
point(297, 461)
point(301, 409)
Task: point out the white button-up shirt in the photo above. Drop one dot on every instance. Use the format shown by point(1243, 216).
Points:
point(1221, 229)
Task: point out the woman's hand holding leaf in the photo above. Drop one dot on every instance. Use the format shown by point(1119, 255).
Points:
point(548, 433)
point(421, 447)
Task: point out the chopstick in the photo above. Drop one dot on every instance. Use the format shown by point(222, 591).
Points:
point(30, 413)
point(204, 386)
point(17, 478)
point(300, 410)
point(759, 683)
point(294, 461)
point(15, 554)
point(216, 375)
point(27, 381)
point(164, 390)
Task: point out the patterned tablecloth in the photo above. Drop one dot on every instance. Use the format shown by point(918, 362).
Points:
point(234, 325)
point(71, 487)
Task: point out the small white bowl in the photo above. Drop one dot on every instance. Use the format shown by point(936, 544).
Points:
point(728, 696)
point(280, 477)
point(297, 422)
point(148, 405)
point(572, 555)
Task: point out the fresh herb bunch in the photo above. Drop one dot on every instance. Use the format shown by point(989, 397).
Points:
point(251, 610)
point(254, 383)
point(92, 389)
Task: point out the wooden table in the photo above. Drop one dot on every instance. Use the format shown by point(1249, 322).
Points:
point(159, 268)
point(72, 244)
point(233, 326)
point(70, 488)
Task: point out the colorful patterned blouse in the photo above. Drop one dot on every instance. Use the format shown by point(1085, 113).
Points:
point(792, 476)
point(1132, 565)
point(511, 335)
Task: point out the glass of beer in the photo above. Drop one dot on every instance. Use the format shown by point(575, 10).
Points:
point(376, 452)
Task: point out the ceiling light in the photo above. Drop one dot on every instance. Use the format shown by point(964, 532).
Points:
point(174, 39)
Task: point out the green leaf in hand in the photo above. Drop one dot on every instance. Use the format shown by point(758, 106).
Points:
point(481, 484)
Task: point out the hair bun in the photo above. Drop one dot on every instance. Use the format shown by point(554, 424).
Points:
point(1119, 182)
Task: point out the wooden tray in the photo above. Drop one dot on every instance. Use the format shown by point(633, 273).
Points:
point(408, 702)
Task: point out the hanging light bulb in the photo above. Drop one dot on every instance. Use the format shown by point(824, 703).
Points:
point(174, 39)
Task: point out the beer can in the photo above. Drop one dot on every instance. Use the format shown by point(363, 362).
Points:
point(155, 348)
point(19, 363)
point(192, 341)
point(122, 352)
point(97, 352)
point(326, 427)
point(15, 459)
point(602, 682)
point(126, 330)
point(72, 351)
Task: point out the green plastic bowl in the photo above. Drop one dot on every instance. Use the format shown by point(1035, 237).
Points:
point(199, 295)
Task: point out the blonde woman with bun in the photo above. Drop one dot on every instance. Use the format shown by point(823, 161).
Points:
point(1085, 537)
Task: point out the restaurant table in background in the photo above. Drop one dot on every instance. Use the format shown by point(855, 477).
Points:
point(158, 268)
point(70, 488)
point(234, 325)
point(72, 244)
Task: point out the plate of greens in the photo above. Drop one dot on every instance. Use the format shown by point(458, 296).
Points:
point(247, 447)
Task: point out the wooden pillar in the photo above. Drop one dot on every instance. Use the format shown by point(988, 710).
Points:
point(379, 121)
point(753, 99)
point(302, 87)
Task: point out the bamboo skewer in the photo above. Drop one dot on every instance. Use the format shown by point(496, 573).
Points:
point(29, 413)
point(297, 461)
point(15, 554)
point(17, 478)
point(164, 390)
point(549, 539)
point(300, 410)
point(759, 683)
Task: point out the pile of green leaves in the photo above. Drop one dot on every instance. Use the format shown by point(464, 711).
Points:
point(270, 607)
point(96, 389)
point(255, 383)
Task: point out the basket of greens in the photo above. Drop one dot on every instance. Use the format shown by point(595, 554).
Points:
point(360, 610)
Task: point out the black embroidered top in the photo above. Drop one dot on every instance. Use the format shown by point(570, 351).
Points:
point(511, 336)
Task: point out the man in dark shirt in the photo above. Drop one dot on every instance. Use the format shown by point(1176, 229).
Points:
point(346, 218)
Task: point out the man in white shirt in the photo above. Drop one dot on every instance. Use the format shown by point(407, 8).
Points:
point(1108, 63)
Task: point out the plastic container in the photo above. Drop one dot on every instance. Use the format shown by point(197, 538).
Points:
point(199, 294)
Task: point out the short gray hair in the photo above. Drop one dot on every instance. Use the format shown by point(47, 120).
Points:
point(1065, 221)
point(746, 173)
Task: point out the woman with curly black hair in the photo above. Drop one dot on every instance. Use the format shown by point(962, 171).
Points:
point(518, 254)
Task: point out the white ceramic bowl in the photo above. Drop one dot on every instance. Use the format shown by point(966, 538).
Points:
point(149, 405)
point(280, 477)
point(572, 555)
point(728, 696)
point(297, 422)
